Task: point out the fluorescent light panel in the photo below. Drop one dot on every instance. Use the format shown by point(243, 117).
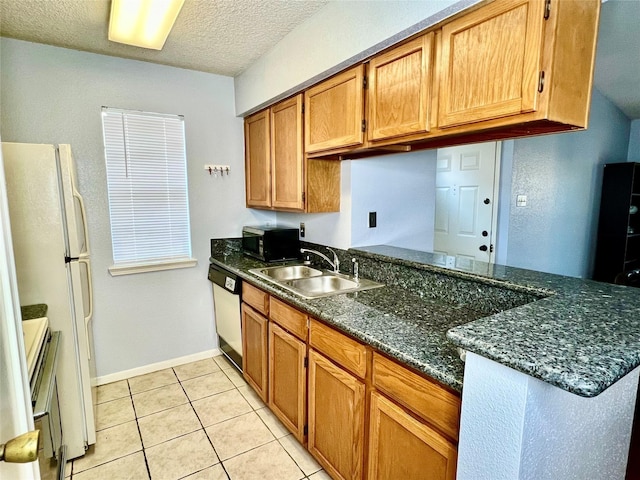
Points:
point(143, 23)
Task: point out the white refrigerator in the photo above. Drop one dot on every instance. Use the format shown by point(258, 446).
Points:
point(50, 241)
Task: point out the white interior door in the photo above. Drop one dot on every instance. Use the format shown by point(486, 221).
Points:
point(16, 416)
point(466, 203)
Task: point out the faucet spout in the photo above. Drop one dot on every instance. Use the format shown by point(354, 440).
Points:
point(335, 264)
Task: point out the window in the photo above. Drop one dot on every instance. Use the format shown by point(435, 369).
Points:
point(147, 187)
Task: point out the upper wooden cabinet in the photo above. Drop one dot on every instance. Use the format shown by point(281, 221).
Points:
point(521, 63)
point(258, 159)
point(277, 173)
point(399, 90)
point(274, 157)
point(491, 62)
point(287, 157)
point(334, 112)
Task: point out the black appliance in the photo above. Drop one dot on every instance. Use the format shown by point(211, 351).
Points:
point(271, 243)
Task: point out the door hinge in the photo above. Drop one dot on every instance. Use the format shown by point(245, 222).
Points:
point(303, 108)
point(306, 362)
point(364, 125)
point(491, 247)
point(364, 82)
point(304, 197)
point(547, 9)
point(541, 82)
point(305, 430)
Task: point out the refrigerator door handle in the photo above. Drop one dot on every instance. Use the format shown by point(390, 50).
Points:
point(83, 212)
point(84, 258)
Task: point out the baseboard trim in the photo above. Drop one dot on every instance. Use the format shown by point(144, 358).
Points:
point(154, 367)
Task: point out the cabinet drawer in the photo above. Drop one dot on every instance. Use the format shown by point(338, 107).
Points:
point(438, 406)
point(338, 347)
point(288, 318)
point(256, 298)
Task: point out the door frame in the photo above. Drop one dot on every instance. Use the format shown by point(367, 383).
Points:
point(14, 383)
point(495, 203)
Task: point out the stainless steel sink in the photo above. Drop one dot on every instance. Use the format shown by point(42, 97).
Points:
point(324, 284)
point(312, 283)
point(289, 272)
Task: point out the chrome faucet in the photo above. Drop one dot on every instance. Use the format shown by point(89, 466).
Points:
point(356, 276)
point(336, 262)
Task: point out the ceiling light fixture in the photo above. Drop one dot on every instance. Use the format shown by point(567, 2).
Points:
point(143, 23)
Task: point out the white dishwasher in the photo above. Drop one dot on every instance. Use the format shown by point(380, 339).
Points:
point(227, 288)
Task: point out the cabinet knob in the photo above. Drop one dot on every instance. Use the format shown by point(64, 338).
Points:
point(483, 248)
point(485, 233)
point(487, 201)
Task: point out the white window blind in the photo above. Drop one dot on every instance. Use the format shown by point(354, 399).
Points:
point(147, 187)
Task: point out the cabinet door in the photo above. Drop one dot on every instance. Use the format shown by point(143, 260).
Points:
point(254, 350)
point(490, 62)
point(334, 112)
point(257, 159)
point(336, 418)
point(287, 176)
point(287, 379)
point(399, 92)
point(402, 447)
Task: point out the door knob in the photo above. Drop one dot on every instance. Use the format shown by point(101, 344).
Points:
point(22, 449)
point(487, 201)
point(483, 248)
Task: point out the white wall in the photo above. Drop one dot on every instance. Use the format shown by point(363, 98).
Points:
point(514, 426)
point(339, 32)
point(400, 189)
point(561, 175)
point(633, 154)
point(54, 95)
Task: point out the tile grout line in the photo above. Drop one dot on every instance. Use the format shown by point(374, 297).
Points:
point(135, 414)
point(201, 424)
point(203, 428)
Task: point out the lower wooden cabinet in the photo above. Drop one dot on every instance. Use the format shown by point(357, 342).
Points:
point(366, 416)
point(288, 380)
point(402, 447)
point(336, 418)
point(254, 350)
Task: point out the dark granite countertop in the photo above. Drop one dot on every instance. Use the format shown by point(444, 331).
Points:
point(579, 335)
point(403, 325)
point(29, 312)
point(582, 338)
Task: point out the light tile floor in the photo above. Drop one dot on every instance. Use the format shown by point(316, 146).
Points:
point(199, 421)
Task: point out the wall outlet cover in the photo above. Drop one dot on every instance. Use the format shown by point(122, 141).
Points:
point(373, 219)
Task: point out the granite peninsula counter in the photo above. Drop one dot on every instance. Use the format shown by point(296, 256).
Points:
point(579, 335)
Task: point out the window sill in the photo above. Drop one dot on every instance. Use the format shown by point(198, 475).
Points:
point(130, 269)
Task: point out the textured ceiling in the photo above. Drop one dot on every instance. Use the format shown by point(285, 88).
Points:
point(216, 36)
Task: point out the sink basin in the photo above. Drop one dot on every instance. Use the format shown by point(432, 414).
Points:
point(290, 272)
point(324, 284)
point(312, 283)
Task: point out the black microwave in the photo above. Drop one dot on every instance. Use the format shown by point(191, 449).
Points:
point(271, 243)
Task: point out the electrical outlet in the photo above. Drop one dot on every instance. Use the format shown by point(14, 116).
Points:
point(521, 201)
point(373, 219)
point(302, 230)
